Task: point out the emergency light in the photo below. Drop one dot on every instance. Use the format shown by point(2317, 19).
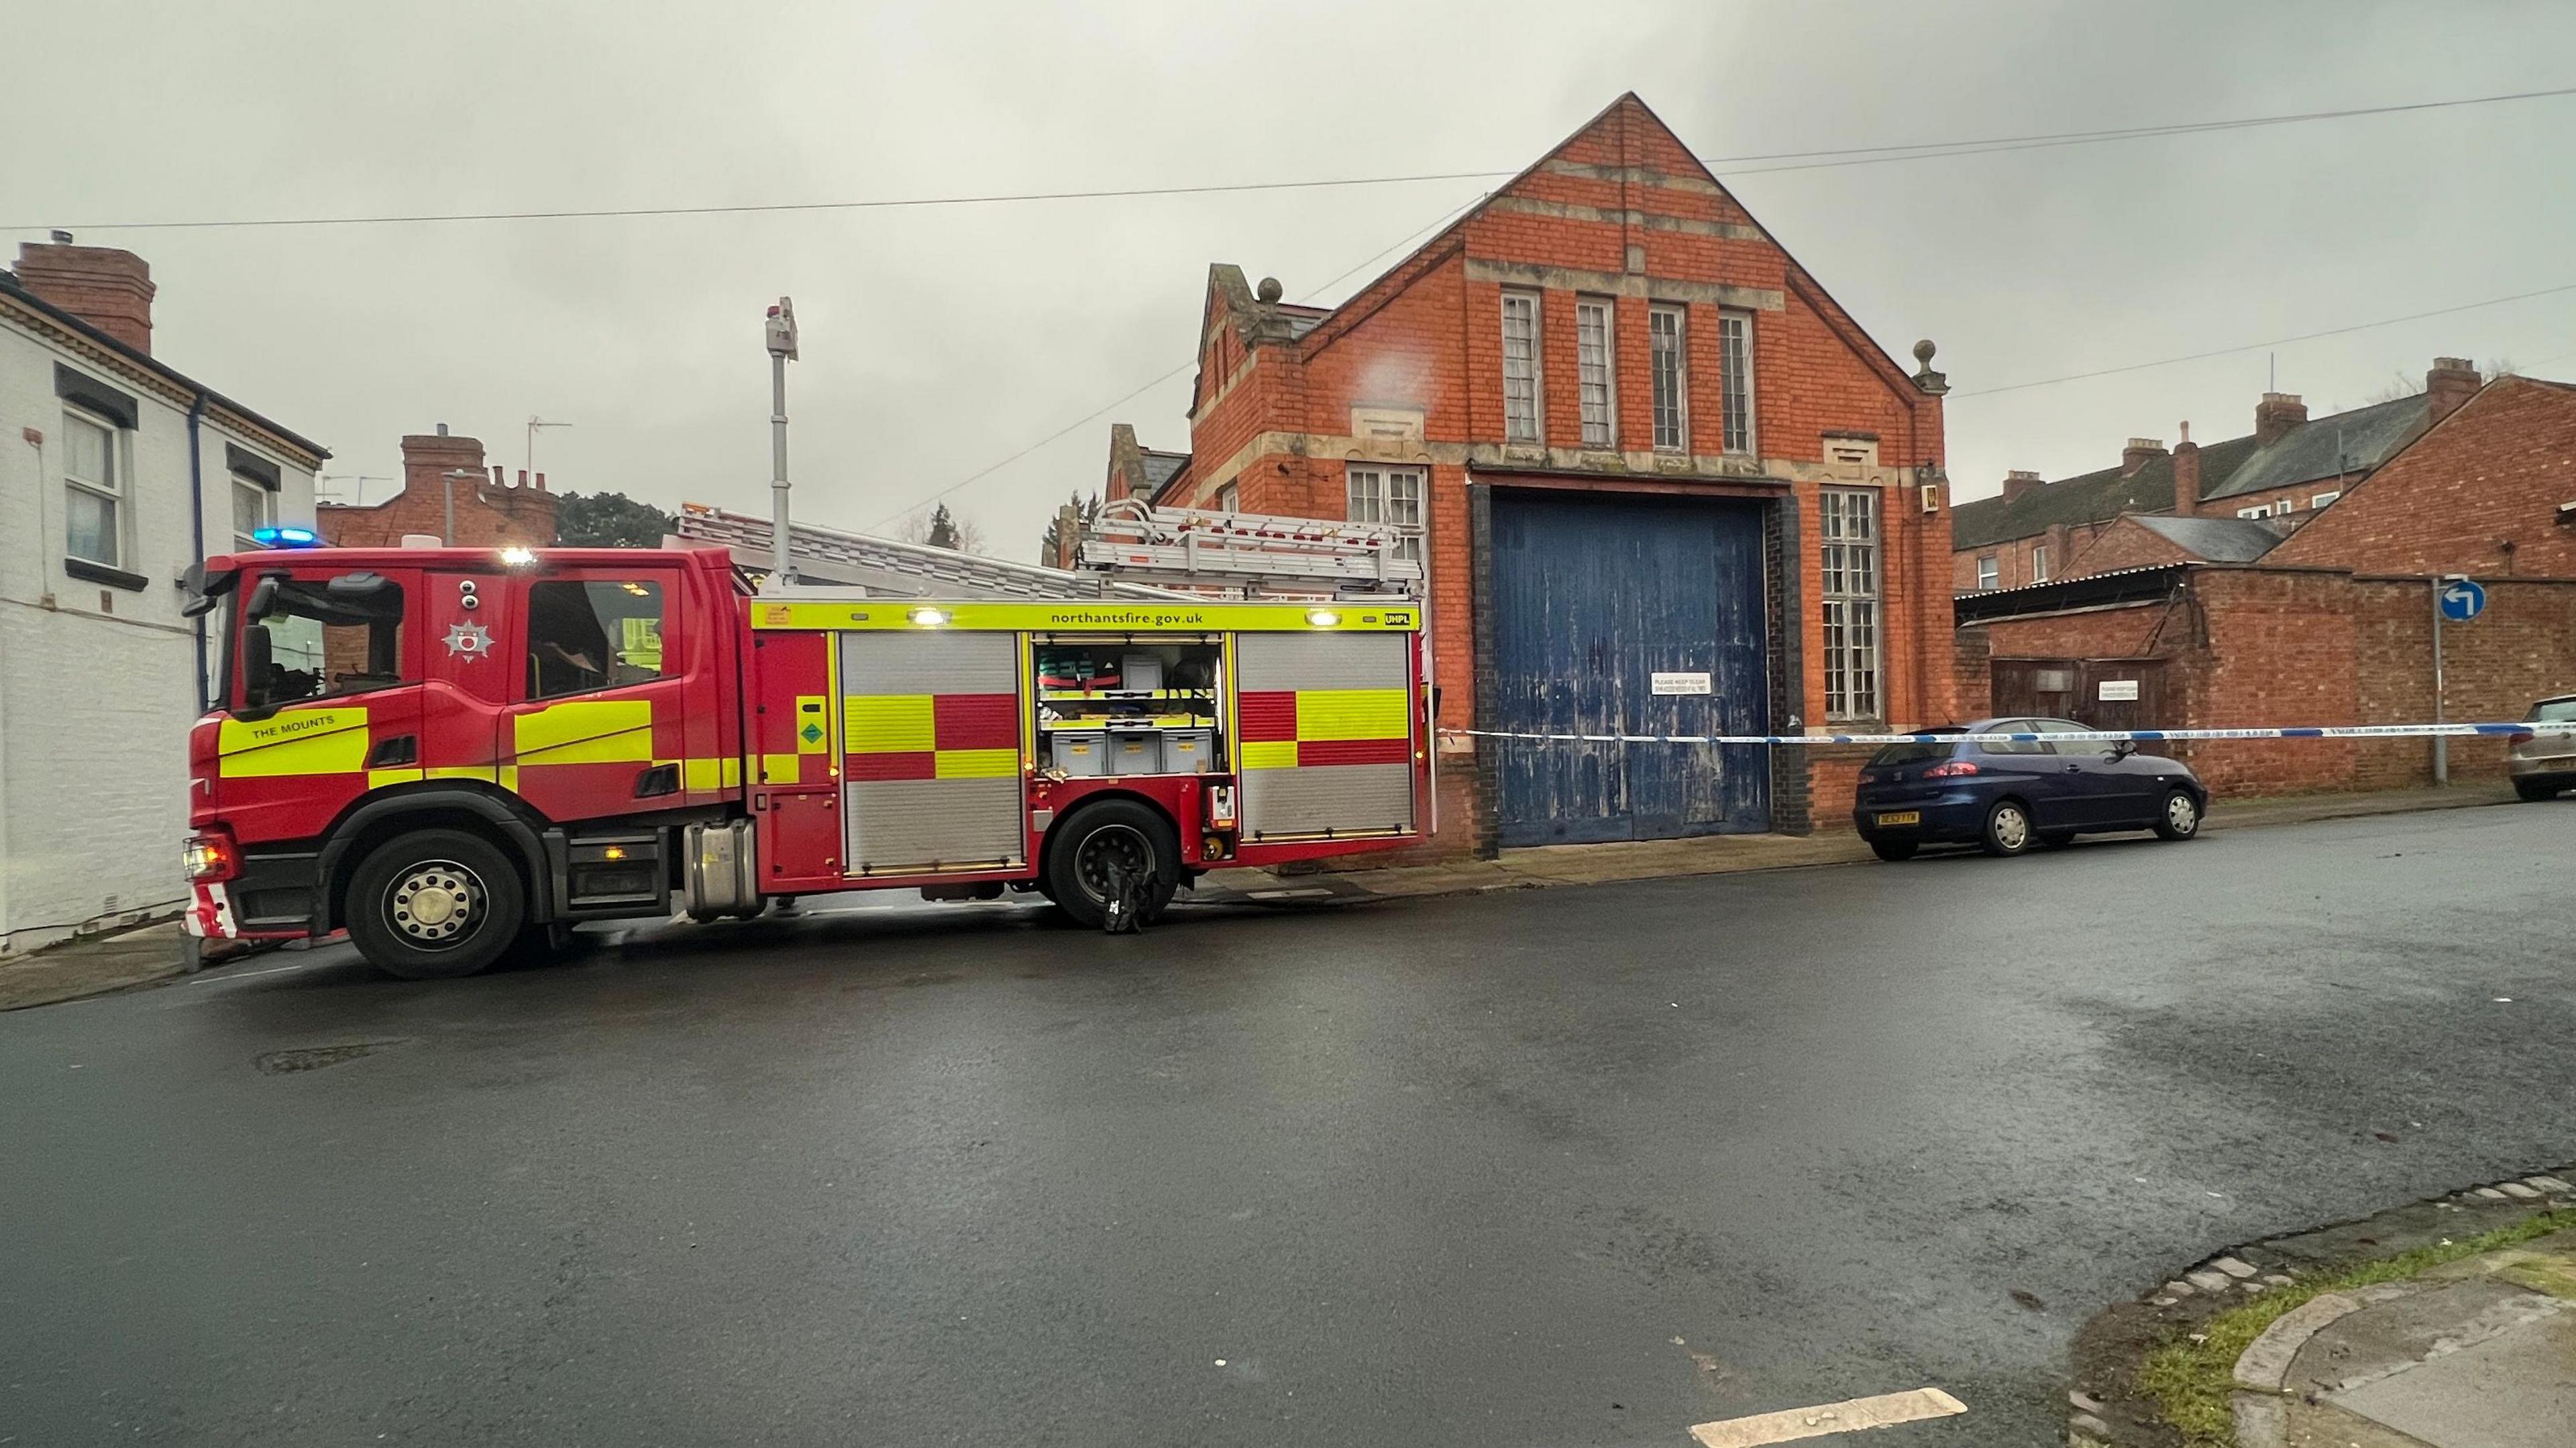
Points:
point(286, 538)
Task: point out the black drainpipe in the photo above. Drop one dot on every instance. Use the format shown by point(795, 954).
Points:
point(197, 524)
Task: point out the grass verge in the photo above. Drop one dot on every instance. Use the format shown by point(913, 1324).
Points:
point(2191, 1378)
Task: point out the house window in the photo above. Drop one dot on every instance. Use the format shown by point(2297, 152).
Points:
point(2253, 512)
point(250, 513)
point(1850, 518)
point(94, 489)
point(2321, 499)
point(1664, 338)
point(1229, 499)
point(1392, 496)
point(596, 633)
point(1987, 573)
point(1593, 351)
point(1520, 366)
point(2039, 563)
point(1735, 380)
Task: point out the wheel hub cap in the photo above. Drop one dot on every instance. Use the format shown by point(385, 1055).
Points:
point(436, 903)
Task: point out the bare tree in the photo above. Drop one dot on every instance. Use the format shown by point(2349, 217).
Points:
point(938, 528)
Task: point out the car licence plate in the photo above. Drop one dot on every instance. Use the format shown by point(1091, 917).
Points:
point(1902, 817)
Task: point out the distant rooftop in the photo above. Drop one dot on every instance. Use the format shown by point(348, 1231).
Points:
point(2217, 540)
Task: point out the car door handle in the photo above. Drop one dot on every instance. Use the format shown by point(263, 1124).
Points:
point(390, 753)
point(661, 779)
point(2074, 769)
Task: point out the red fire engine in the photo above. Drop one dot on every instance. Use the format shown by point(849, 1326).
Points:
point(449, 751)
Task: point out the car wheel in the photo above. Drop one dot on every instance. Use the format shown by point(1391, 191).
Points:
point(2180, 818)
point(2008, 830)
point(2534, 793)
point(1894, 850)
point(1116, 834)
point(435, 904)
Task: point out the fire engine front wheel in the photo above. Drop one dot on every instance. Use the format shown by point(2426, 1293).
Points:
point(1087, 854)
point(435, 904)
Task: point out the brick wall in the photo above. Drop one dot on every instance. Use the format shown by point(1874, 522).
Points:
point(488, 514)
point(2127, 543)
point(2492, 474)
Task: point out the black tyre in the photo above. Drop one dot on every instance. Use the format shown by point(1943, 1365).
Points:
point(2534, 793)
point(435, 904)
point(1082, 852)
point(1894, 850)
point(2008, 830)
point(2179, 817)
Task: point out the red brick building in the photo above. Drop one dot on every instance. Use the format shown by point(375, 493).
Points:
point(492, 510)
point(1662, 484)
point(2283, 472)
point(2332, 625)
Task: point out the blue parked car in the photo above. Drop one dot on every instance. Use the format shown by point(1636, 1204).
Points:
point(2008, 794)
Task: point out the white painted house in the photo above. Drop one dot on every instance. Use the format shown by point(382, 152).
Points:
point(116, 472)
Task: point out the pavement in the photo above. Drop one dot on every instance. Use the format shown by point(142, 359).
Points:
point(1533, 1167)
point(2479, 1353)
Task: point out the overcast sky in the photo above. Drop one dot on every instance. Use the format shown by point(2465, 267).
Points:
point(938, 341)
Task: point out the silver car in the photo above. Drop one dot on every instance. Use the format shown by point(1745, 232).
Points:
point(2543, 764)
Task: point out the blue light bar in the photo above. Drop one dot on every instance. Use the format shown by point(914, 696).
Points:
point(286, 538)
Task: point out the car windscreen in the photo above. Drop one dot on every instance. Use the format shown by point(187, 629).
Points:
point(1892, 755)
point(2553, 711)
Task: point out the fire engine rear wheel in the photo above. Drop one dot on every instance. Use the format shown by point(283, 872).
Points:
point(1084, 853)
point(435, 904)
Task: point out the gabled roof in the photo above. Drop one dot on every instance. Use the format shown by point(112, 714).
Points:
point(2214, 540)
point(2325, 447)
point(2095, 497)
point(1162, 467)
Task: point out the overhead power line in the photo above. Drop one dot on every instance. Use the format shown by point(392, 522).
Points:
point(2259, 346)
point(1748, 165)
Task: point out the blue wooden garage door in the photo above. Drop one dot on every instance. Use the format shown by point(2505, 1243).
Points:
point(1591, 599)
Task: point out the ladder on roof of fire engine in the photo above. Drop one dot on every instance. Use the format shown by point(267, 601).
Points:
point(1200, 547)
point(743, 531)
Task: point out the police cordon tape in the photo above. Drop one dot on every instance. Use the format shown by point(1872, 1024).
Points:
point(2088, 736)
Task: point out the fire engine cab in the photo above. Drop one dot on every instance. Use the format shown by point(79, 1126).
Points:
point(451, 752)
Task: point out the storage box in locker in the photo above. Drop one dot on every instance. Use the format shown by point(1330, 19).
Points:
point(1137, 752)
point(1140, 671)
point(1188, 751)
point(1082, 752)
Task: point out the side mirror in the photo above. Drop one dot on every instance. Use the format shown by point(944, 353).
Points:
point(356, 585)
point(263, 599)
point(2123, 748)
point(204, 590)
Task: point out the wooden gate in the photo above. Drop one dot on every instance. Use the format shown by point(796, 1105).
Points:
point(2074, 689)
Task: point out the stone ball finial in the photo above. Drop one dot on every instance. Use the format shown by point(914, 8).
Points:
point(1923, 351)
point(1269, 290)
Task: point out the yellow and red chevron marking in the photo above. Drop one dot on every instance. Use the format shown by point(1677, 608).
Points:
point(932, 736)
point(1304, 728)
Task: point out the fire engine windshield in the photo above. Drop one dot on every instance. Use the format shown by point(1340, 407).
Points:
point(309, 639)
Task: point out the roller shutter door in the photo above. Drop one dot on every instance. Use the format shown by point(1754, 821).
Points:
point(932, 775)
point(1325, 734)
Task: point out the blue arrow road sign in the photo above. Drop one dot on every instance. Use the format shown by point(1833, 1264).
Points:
point(2462, 600)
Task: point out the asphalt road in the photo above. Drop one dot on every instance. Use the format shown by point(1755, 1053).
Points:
point(1557, 1167)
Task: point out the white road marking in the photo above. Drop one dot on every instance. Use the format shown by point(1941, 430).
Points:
point(1296, 894)
point(1850, 1416)
point(217, 977)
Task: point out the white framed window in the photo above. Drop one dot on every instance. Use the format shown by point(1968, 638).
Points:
point(1595, 360)
point(2253, 512)
point(1229, 499)
point(1850, 542)
point(1735, 379)
point(2039, 563)
point(1666, 336)
point(2321, 499)
point(1520, 367)
point(1393, 496)
point(1988, 573)
point(94, 490)
point(251, 511)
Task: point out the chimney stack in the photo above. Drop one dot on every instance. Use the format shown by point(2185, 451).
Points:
point(428, 459)
point(2019, 481)
point(2138, 453)
point(109, 289)
point(2186, 475)
point(2275, 415)
point(2451, 382)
